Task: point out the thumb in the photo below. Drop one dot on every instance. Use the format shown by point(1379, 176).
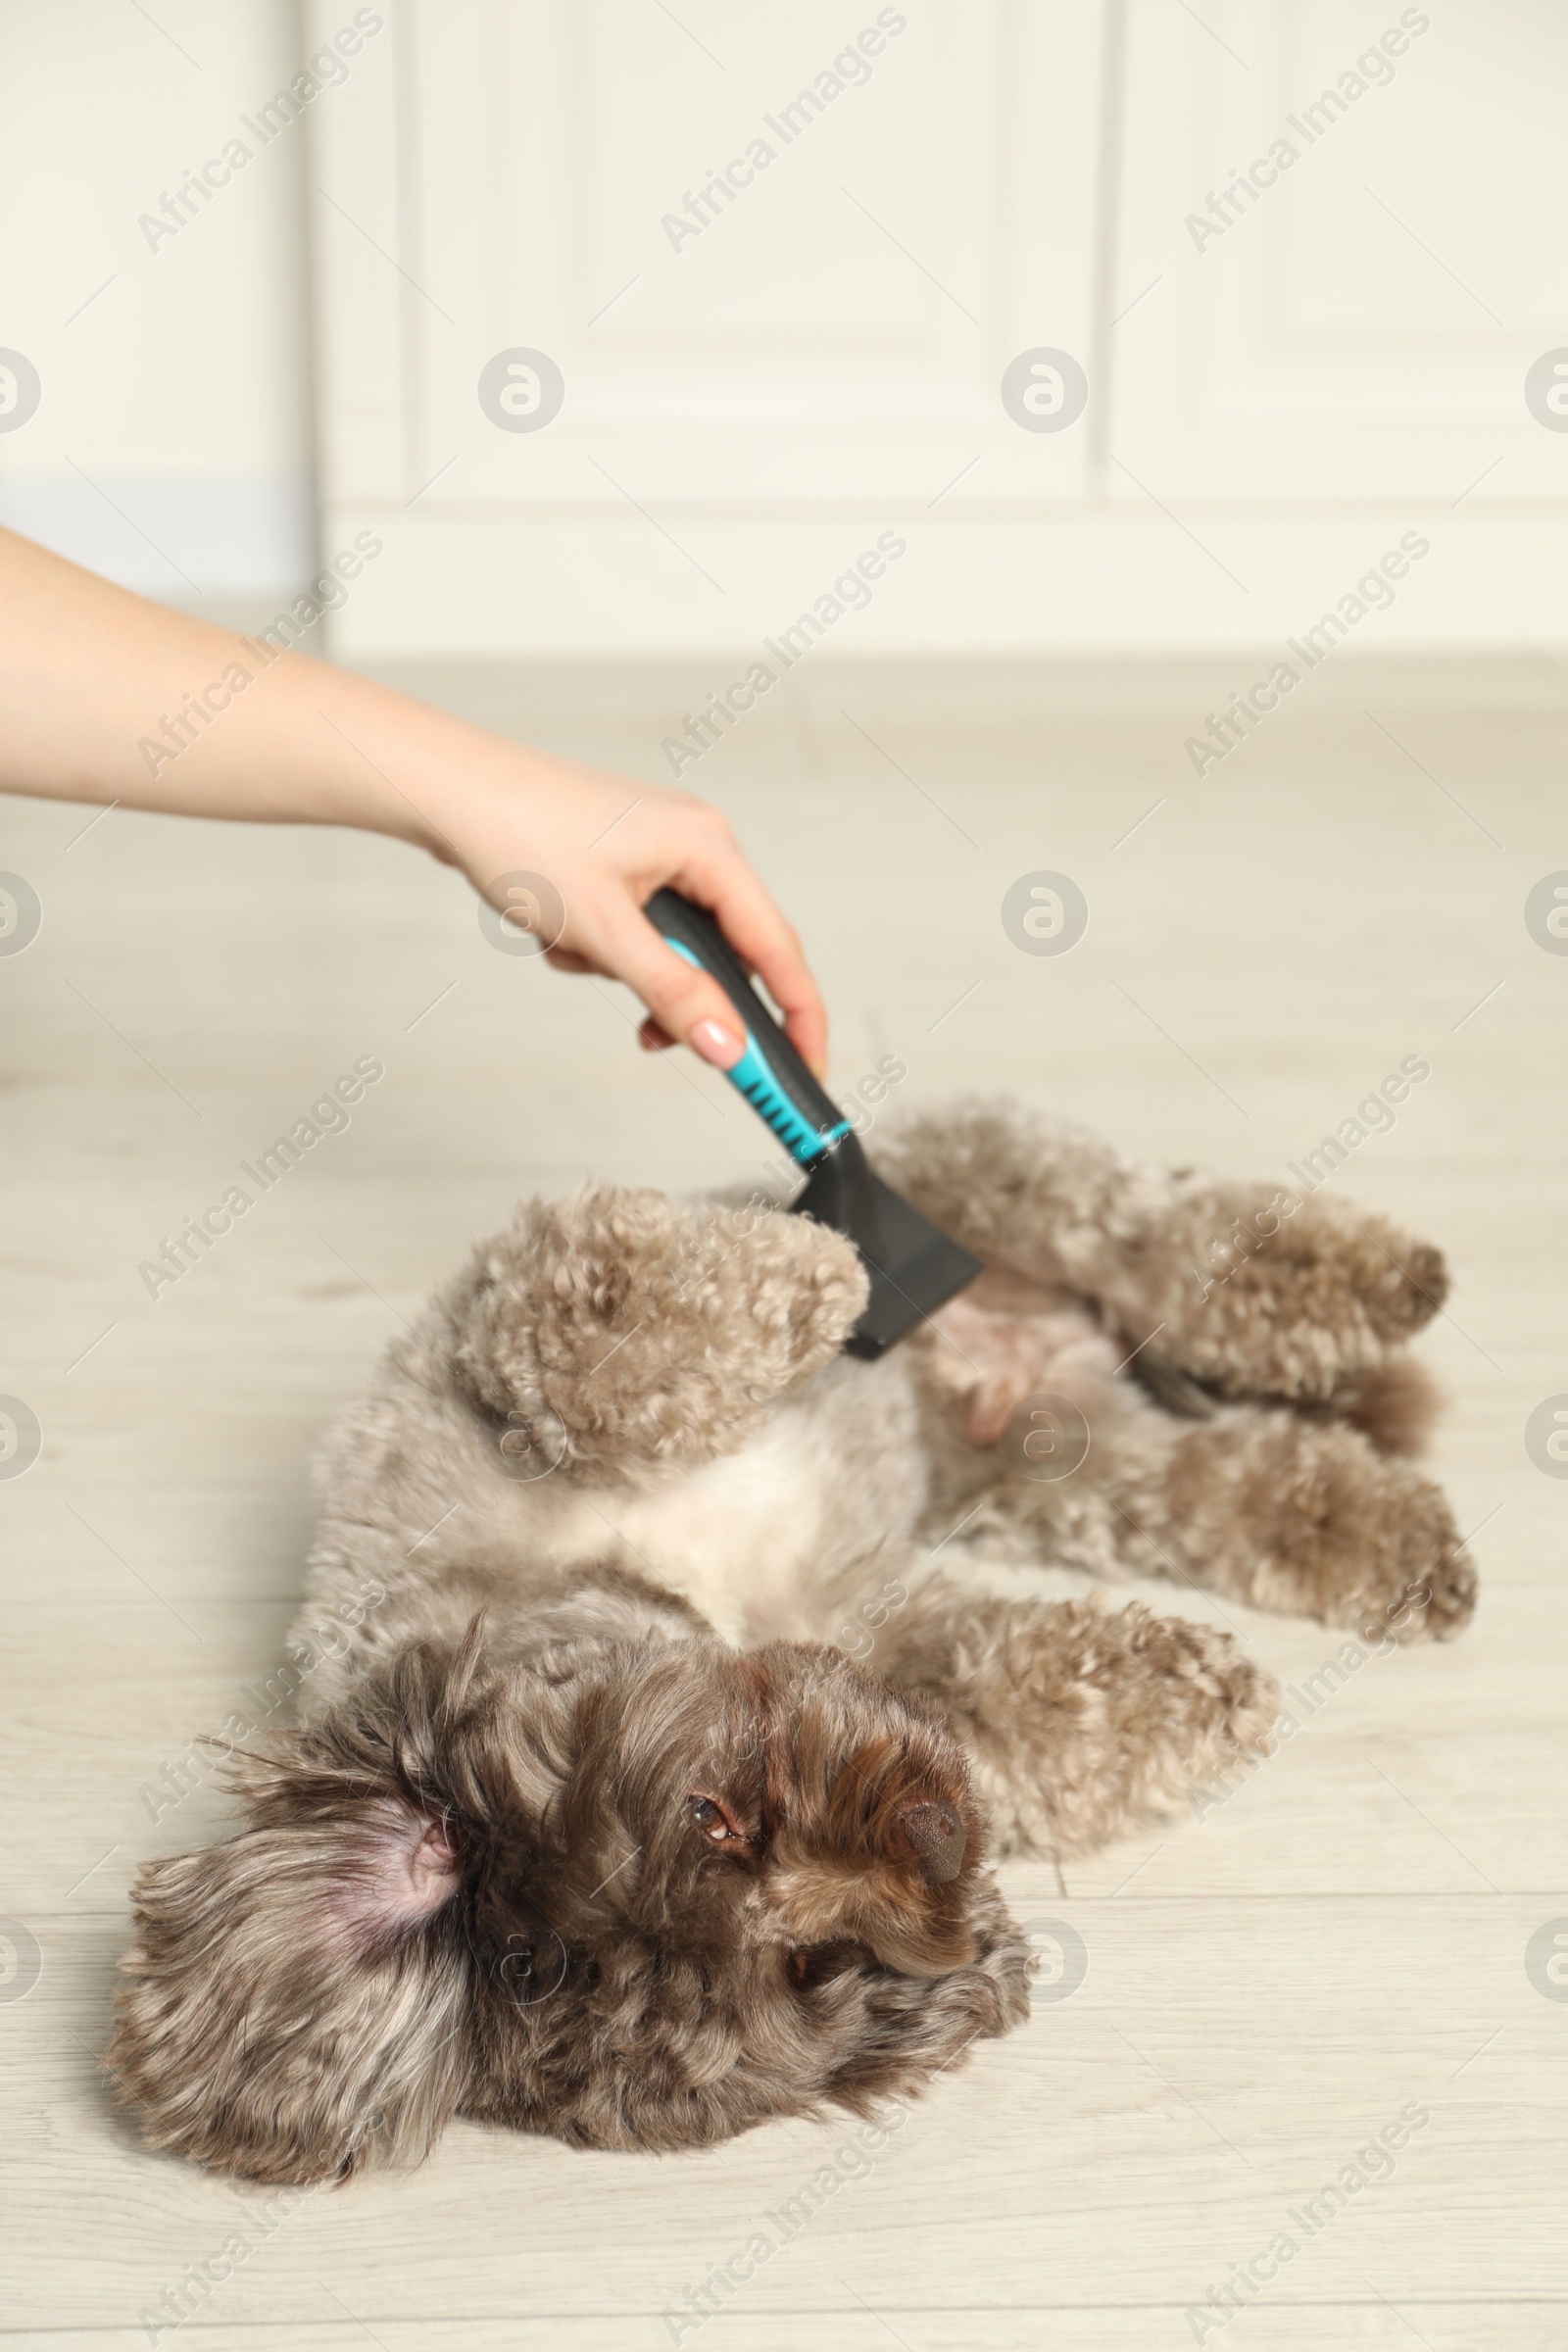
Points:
point(688, 1005)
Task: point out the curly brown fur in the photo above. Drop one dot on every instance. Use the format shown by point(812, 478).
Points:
point(591, 1825)
point(1394, 1405)
point(630, 1337)
point(1308, 1519)
point(642, 1894)
point(1082, 1721)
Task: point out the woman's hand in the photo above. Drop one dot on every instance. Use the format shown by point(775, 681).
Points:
point(606, 843)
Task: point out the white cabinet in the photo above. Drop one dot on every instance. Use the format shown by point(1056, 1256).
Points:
point(782, 261)
point(1358, 324)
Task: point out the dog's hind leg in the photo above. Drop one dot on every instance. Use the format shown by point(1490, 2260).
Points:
point(1248, 1288)
point(632, 1336)
point(1262, 1503)
point(1081, 1721)
point(1297, 1515)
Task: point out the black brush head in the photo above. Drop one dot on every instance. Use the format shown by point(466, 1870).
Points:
point(914, 1267)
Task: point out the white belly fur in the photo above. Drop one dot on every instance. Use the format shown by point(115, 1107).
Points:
point(738, 1537)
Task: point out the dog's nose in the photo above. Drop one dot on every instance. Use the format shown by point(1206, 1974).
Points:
point(935, 1833)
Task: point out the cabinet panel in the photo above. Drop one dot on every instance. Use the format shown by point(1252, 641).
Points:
point(1351, 228)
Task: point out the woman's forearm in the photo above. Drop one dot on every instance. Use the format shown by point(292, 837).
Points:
point(105, 697)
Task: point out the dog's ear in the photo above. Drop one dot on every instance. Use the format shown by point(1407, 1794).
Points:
point(301, 1993)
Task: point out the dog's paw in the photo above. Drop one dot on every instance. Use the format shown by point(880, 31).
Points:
point(1198, 1700)
point(1442, 1603)
point(1353, 1537)
point(1266, 1294)
point(1106, 1717)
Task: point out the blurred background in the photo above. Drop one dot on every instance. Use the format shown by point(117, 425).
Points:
point(1291, 268)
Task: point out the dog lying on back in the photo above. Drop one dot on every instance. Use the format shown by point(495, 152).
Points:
point(595, 1826)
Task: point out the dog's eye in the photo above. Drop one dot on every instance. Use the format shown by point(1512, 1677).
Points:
point(715, 1822)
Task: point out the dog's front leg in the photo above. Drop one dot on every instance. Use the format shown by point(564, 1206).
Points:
point(635, 1336)
point(1081, 1721)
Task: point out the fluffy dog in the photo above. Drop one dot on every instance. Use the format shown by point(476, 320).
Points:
point(593, 1826)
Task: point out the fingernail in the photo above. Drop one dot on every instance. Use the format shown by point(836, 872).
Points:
point(716, 1043)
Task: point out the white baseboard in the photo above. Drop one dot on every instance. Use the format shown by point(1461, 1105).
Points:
point(466, 583)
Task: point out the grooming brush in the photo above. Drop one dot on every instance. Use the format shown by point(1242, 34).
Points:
point(914, 1266)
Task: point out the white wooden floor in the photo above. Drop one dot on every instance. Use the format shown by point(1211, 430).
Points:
point(1265, 1990)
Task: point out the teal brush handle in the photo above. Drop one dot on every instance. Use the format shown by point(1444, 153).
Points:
point(770, 1075)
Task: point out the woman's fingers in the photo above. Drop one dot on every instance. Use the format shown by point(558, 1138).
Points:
point(686, 1004)
point(724, 882)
